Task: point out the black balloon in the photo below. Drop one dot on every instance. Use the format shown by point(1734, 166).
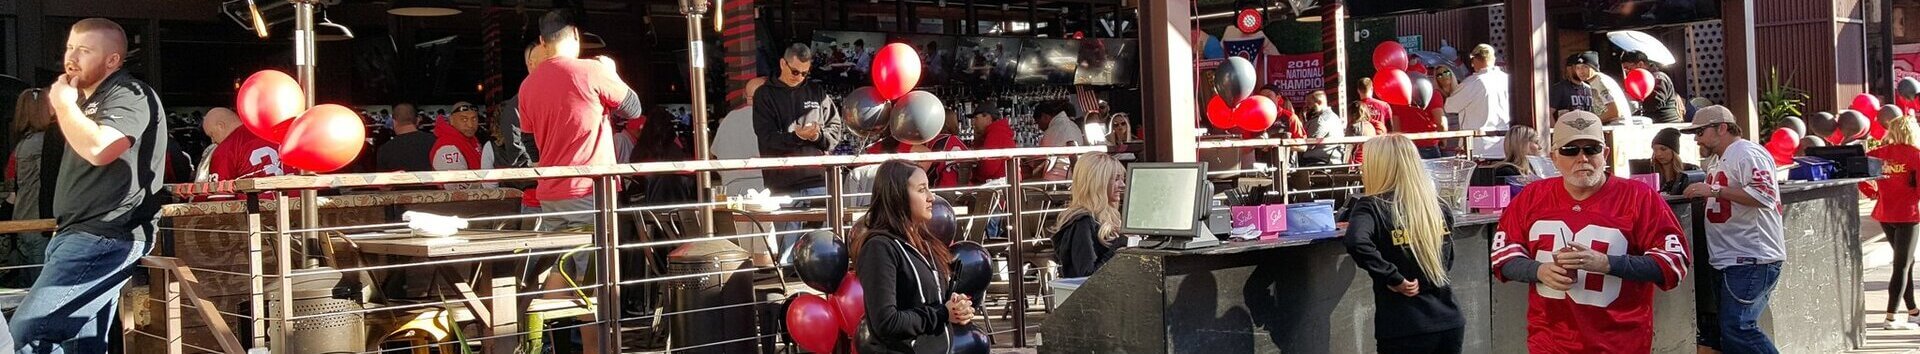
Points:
point(1234, 80)
point(1422, 90)
point(1888, 113)
point(1821, 124)
point(972, 269)
point(1907, 88)
point(968, 340)
point(944, 223)
point(1795, 124)
point(916, 118)
point(1853, 124)
point(821, 259)
point(864, 342)
point(864, 111)
point(1809, 141)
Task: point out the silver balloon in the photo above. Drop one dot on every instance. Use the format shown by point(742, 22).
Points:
point(1853, 124)
point(1821, 124)
point(1422, 90)
point(1888, 113)
point(1799, 127)
point(916, 118)
point(1809, 141)
point(1234, 80)
point(1907, 88)
point(864, 111)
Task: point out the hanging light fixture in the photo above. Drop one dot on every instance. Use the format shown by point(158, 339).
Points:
point(259, 23)
point(344, 33)
point(423, 8)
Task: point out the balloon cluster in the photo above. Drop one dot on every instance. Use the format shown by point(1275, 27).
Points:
point(1396, 83)
point(819, 323)
point(891, 105)
point(1234, 107)
point(320, 139)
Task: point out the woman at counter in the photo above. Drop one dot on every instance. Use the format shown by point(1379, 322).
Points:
point(1087, 231)
point(1523, 155)
point(1666, 161)
point(901, 267)
point(1897, 210)
point(1399, 233)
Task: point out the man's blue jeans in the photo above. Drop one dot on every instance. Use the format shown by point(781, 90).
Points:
point(76, 294)
point(1744, 291)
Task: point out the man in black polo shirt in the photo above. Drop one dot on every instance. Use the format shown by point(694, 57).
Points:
point(107, 196)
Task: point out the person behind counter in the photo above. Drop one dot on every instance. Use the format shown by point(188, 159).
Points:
point(1398, 233)
point(1088, 230)
point(1594, 246)
point(1666, 160)
point(1744, 230)
point(1523, 156)
point(903, 268)
point(1897, 210)
point(1663, 103)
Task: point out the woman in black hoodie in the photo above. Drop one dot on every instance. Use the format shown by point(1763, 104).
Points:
point(1398, 233)
point(903, 268)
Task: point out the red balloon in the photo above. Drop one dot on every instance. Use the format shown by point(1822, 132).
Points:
point(324, 139)
point(1782, 144)
point(1865, 102)
point(1256, 113)
point(1218, 114)
point(1389, 55)
point(1639, 84)
point(267, 103)
point(896, 69)
point(813, 323)
point(850, 302)
point(1393, 86)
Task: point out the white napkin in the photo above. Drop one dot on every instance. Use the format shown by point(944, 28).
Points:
point(426, 224)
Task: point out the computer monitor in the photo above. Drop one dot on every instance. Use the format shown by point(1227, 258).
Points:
point(1168, 202)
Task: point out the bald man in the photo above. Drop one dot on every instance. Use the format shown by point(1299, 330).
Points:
point(107, 196)
point(218, 122)
point(238, 153)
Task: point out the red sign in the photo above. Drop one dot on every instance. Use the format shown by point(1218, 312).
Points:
point(1906, 61)
point(1296, 75)
point(1249, 21)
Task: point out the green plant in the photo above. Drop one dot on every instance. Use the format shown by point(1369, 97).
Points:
point(1778, 101)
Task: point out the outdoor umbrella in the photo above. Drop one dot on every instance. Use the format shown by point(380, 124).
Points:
point(1637, 41)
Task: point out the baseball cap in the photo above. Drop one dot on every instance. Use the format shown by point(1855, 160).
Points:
point(1576, 126)
point(1709, 116)
point(1588, 58)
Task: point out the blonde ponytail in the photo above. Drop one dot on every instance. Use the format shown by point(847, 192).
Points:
point(1394, 166)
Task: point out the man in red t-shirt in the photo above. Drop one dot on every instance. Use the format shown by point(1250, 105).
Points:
point(239, 154)
point(994, 133)
point(564, 103)
point(1410, 120)
point(1381, 112)
point(1595, 247)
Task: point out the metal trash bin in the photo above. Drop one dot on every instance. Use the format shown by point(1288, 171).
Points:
point(344, 332)
point(688, 330)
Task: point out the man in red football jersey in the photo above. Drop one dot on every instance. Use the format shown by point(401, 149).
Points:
point(1594, 246)
point(239, 154)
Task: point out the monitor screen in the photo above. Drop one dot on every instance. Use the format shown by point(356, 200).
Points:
point(842, 57)
point(985, 60)
point(1106, 61)
point(1047, 61)
point(1162, 198)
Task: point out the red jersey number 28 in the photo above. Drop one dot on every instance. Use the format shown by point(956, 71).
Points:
point(1589, 289)
point(1719, 210)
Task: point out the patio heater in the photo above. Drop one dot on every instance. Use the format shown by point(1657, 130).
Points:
point(696, 10)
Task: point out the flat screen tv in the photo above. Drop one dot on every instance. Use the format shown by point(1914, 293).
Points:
point(1627, 14)
point(842, 57)
point(1107, 61)
point(1047, 61)
point(984, 60)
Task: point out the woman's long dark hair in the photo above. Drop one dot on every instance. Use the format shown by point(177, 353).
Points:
point(892, 212)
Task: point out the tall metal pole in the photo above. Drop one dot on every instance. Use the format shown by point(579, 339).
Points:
point(697, 65)
point(303, 57)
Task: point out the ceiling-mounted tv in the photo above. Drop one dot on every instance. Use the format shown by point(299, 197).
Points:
point(1047, 61)
point(1106, 61)
point(985, 60)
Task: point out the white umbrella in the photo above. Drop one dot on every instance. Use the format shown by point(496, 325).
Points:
point(1637, 41)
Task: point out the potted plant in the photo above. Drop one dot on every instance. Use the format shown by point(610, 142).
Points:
point(1778, 101)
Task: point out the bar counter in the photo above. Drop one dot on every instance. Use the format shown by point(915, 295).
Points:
point(1302, 294)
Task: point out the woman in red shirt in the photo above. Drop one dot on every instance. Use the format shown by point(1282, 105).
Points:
point(940, 174)
point(1897, 210)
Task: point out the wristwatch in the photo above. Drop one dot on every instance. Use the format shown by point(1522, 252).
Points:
point(1716, 191)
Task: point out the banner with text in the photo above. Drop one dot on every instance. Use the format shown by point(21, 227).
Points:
point(1296, 75)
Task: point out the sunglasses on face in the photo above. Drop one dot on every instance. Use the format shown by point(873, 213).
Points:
point(1589, 150)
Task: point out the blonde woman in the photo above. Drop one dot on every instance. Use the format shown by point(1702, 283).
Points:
point(1523, 155)
point(1398, 232)
point(1897, 211)
point(1088, 230)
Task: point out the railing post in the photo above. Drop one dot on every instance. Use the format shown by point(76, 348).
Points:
point(256, 271)
point(1282, 171)
point(606, 236)
point(836, 204)
point(283, 221)
point(1018, 234)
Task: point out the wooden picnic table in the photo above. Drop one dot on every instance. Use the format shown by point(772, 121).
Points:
point(501, 313)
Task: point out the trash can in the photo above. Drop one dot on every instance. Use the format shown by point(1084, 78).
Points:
point(343, 332)
point(691, 330)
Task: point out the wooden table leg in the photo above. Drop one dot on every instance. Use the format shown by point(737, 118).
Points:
point(503, 281)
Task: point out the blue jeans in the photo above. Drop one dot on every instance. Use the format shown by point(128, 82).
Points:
point(73, 300)
point(788, 239)
point(1743, 293)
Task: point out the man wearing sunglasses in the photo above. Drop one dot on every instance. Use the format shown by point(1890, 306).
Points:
point(792, 118)
point(1744, 231)
point(1595, 247)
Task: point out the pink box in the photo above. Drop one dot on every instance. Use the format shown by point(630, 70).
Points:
point(1246, 216)
point(1273, 220)
point(1489, 197)
point(1652, 180)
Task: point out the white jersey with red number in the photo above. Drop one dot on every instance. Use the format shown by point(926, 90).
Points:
point(1601, 313)
point(1738, 233)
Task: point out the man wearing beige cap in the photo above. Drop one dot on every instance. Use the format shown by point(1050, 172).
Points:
point(1595, 247)
point(1743, 229)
